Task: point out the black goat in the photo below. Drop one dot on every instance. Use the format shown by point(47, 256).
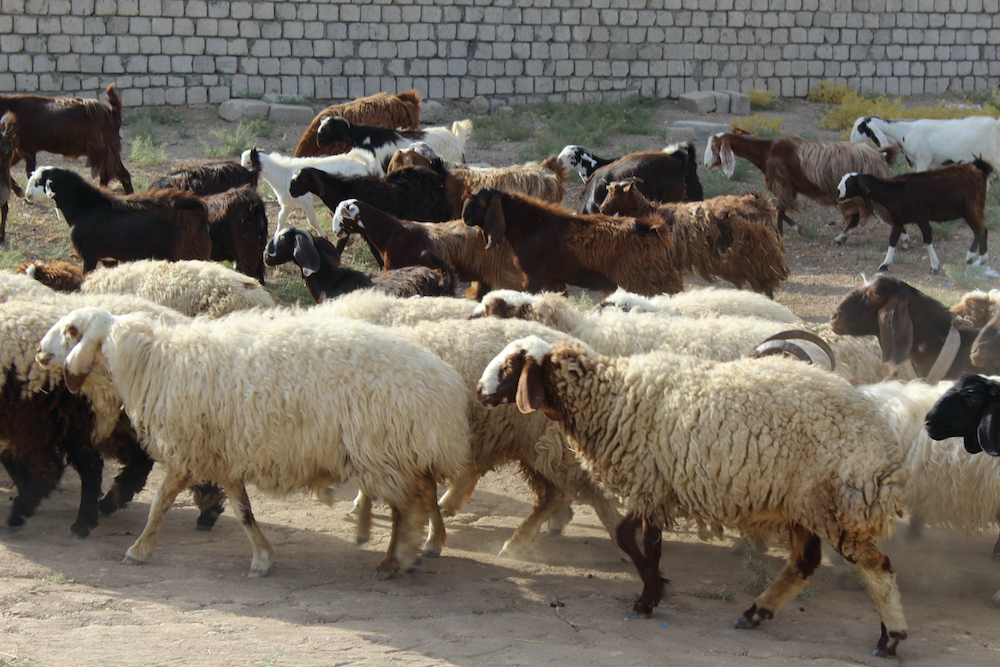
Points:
point(326, 278)
point(210, 178)
point(970, 410)
point(939, 195)
point(670, 175)
point(165, 224)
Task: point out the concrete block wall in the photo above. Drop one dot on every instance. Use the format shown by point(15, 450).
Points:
point(206, 51)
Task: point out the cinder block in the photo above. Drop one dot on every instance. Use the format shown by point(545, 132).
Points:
point(702, 129)
point(234, 110)
point(739, 103)
point(698, 101)
point(721, 101)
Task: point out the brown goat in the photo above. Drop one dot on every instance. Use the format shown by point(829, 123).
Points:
point(209, 178)
point(728, 237)
point(554, 247)
point(402, 242)
point(60, 276)
point(70, 126)
point(794, 166)
point(237, 223)
point(7, 183)
point(400, 111)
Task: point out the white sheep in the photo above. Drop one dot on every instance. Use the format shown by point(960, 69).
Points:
point(285, 403)
point(930, 143)
point(762, 444)
point(723, 338)
point(379, 308)
point(191, 287)
point(703, 302)
point(277, 171)
point(12, 284)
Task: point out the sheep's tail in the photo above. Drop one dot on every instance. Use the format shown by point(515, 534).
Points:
point(462, 129)
point(435, 263)
point(115, 101)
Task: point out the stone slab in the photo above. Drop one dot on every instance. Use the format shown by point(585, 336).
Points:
point(234, 110)
point(739, 103)
point(721, 101)
point(294, 114)
point(699, 101)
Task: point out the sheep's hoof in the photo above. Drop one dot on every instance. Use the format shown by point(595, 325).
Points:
point(361, 539)
point(130, 560)
point(431, 552)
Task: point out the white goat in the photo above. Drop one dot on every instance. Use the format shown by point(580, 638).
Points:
point(277, 170)
point(930, 143)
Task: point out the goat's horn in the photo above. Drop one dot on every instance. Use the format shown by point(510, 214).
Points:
point(799, 334)
point(772, 347)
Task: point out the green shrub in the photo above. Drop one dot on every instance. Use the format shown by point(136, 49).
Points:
point(762, 100)
point(145, 151)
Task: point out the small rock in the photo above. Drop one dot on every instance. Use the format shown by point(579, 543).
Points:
point(479, 106)
point(431, 111)
point(234, 110)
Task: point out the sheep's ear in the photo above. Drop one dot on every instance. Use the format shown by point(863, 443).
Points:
point(305, 255)
point(494, 223)
point(895, 331)
point(529, 387)
point(727, 156)
point(79, 363)
point(989, 431)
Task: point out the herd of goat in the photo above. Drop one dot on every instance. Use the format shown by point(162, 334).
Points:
point(167, 356)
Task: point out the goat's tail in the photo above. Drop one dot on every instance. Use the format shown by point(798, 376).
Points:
point(435, 263)
point(115, 100)
point(556, 166)
point(982, 165)
point(889, 153)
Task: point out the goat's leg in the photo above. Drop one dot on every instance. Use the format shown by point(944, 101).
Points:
point(3, 222)
point(263, 552)
point(875, 569)
point(802, 562)
point(209, 498)
point(35, 472)
point(893, 240)
point(173, 483)
point(89, 464)
point(125, 178)
point(852, 224)
point(783, 218)
point(977, 251)
point(928, 236)
point(305, 202)
point(128, 482)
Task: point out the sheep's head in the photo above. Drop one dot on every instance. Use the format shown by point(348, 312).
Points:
point(971, 410)
point(880, 308)
point(346, 219)
point(484, 209)
point(515, 375)
point(718, 153)
point(334, 128)
point(75, 341)
point(628, 302)
point(505, 304)
point(291, 244)
point(39, 188)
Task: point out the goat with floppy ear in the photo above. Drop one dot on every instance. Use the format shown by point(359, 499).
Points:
point(970, 409)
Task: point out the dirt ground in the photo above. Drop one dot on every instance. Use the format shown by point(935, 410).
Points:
point(65, 599)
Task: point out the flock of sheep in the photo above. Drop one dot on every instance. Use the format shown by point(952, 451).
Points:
point(666, 404)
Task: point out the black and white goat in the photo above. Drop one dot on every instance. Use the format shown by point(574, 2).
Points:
point(583, 160)
point(447, 143)
point(326, 278)
point(930, 143)
point(670, 175)
point(165, 224)
point(939, 195)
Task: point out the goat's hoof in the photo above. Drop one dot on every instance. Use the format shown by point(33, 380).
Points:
point(883, 269)
point(744, 624)
point(14, 530)
point(74, 535)
point(257, 571)
point(935, 272)
point(382, 575)
point(361, 539)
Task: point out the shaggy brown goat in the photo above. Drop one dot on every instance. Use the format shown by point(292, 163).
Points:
point(60, 276)
point(728, 237)
point(210, 178)
point(401, 111)
point(554, 247)
point(793, 166)
point(237, 223)
point(7, 183)
point(401, 243)
point(70, 126)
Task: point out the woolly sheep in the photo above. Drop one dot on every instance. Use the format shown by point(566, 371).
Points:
point(13, 284)
point(703, 302)
point(214, 397)
point(723, 338)
point(190, 287)
point(762, 444)
point(376, 307)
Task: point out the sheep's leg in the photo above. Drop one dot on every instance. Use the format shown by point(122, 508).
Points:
point(363, 508)
point(589, 492)
point(878, 575)
point(263, 552)
point(401, 553)
point(647, 563)
point(802, 562)
point(437, 535)
point(561, 515)
point(458, 493)
point(547, 498)
point(173, 483)
point(35, 472)
point(129, 481)
point(209, 498)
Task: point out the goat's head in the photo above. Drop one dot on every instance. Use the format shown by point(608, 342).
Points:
point(718, 153)
point(305, 180)
point(250, 159)
point(971, 410)
point(483, 208)
point(880, 308)
point(291, 244)
point(505, 304)
point(515, 375)
point(623, 198)
point(75, 341)
point(850, 186)
point(7, 128)
point(334, 128)
point(346, 218)
point(418, 154)
point(867, 127)
point(40, 188)
point(579, 158)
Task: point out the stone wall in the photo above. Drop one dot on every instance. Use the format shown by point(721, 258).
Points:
point(200, 51)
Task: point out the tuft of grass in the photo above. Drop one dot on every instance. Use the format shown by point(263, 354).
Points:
point(491, 130)
point(243, 137)
point(145, 151)
point(271, 659)
point(763, 100)
point(759, 574)
point(583, 301)
point(966, 276)
point(143, 125)
point(53, 579)
point(10, 259)
point(760, 125)
point(715, 184)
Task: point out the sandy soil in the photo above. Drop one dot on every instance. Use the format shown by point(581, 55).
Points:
point(66, 599)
